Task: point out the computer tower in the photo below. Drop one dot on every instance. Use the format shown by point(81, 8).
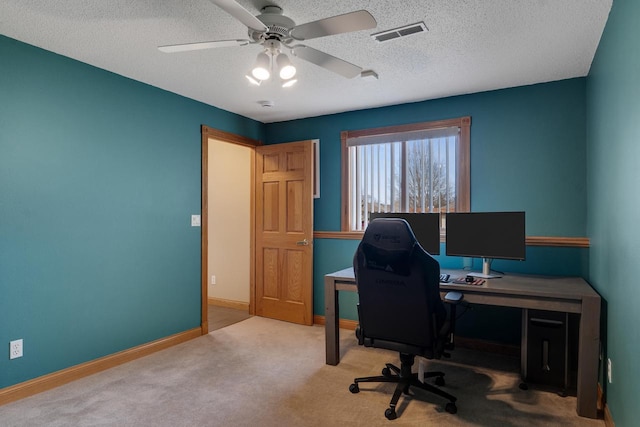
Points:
point(545, 348)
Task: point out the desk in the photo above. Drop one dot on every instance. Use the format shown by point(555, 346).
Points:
point(564, 294)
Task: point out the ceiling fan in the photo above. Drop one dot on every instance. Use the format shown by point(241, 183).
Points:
point(275, 31)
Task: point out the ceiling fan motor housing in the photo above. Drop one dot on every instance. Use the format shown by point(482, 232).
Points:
point(278, 25)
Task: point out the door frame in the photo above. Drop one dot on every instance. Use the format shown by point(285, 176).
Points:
point(220, 135)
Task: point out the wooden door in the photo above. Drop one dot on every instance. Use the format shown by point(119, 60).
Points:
point(284, 232)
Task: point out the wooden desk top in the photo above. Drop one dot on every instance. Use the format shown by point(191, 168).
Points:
point(566, 288)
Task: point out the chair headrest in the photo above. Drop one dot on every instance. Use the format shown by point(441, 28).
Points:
point(387, 245)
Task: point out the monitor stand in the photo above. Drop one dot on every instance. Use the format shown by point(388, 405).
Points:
point(486, 270)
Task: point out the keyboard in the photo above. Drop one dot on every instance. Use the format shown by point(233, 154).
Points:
point(444, 278)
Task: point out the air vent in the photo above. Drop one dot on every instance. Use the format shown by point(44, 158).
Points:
point(407, 30)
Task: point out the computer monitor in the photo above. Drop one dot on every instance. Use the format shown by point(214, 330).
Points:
point(486, 235)
point(425, 226)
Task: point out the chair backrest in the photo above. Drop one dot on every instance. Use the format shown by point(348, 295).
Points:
point(398, 286)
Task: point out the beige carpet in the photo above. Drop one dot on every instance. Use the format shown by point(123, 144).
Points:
point(263, 372)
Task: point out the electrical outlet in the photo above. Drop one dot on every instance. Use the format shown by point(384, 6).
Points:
point(213, 280)
point(195, 220)
point(15, 349)
point(609, 370)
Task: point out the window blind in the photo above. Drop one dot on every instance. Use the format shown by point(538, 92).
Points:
point(414, 135)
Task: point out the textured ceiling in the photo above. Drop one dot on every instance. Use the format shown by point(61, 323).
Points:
point(470, 46)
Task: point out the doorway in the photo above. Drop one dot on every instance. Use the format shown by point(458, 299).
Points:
point(282, 174)
point(228, 161)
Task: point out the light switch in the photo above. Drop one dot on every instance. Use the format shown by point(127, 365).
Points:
point(195, 220)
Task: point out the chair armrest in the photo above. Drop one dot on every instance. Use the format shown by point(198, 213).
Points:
point(453, 297)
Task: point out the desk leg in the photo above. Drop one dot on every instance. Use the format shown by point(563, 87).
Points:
point(588, 356)
point(331, 309)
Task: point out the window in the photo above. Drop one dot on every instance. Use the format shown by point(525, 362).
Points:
point(422, 167)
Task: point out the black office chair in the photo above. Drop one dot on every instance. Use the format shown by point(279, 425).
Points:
point(400, 307)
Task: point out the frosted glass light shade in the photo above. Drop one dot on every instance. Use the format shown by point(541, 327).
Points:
point(261, 69)
point(287, 70)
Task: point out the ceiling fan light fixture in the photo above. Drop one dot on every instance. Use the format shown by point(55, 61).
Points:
point(287, 70)
point(261, 69)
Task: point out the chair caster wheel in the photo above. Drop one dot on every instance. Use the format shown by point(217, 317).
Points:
point(390, 413)
point(386, 372)
point(451, 408)
point(524, 386)
point(353, 388)
point(440, 381)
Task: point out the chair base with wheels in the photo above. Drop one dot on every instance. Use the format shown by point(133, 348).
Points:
point(405, 379)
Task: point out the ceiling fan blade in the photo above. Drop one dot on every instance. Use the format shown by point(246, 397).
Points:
point(172, 48)
point(241, 14)
point(352, 21)
point(324, 60)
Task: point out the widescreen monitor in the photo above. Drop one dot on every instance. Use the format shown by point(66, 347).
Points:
point(486, 235)
point(425, 226)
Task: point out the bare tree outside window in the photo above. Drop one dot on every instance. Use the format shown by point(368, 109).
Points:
point(430, 177)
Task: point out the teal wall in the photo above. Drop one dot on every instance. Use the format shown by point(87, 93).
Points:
point(99, 175)
point(613, 152)
point(527, 153)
